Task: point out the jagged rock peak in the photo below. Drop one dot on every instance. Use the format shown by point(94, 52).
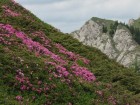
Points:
point(116, 40)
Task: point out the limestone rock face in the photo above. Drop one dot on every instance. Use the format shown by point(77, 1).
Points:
point(131, 22)
point(120, 46)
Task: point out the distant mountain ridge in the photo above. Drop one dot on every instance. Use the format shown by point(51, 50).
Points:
point(112, 38)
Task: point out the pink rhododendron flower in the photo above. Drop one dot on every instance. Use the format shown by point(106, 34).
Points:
point(39, 82)
point(32, 45)
point(83, 72)
point(100, 93)
point(23, 87)
point(19, 98)
point(9, 12)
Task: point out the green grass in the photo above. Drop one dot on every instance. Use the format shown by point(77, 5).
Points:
point(104, 22)
point(137, 23)
point(124, 83)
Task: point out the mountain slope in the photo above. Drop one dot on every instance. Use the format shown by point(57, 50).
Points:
point(112, 38)
point(41, 66)
point(135, 28)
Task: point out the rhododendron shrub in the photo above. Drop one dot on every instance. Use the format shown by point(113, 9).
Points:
point(19, 98)
point(40, 49)
point(39, 35)
point(63, 69)
point(25, 84)
point(83, 72)
point(32, 45)
point(71, 55)
point(9, 12)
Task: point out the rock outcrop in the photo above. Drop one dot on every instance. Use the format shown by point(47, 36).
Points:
point(131, 22)
point(120, 46)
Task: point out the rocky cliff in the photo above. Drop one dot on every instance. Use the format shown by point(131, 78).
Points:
point(120, 45)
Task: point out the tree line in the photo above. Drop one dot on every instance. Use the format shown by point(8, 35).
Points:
point(113, 27)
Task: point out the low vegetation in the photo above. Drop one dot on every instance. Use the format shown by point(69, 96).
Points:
point(41, 66)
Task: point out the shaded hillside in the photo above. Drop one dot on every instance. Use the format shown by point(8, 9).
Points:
point(135, 29)
point(41, 66)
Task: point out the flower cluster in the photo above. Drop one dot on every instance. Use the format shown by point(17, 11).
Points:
point(100, 93)
point(39, 49)
point(83, 72)
point(86, 61)
point(61, 71)
point(19, 98)
point(2, 39)
point(24, 81)
point(32, 45)
point(44, 40)
point(9, 12)
point(76, 69)
point(26, 85)
point(112, 100)
point(62, 50)
point(70, 54)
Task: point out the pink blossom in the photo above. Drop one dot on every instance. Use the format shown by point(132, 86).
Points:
point(100, 93)
point(44, 39)
point(50, 78)
point(9, 12)
point(23, 87)
point(33, 97)
point(33, 89)
point(30, 85)
point(19, 98)
point(39, 82)
point(83, 72)
point(112, 100)
point(62, 71)
point(32, 45)
point(71, 55)
point(86, 61)
point(69, 103)
point(39, 90)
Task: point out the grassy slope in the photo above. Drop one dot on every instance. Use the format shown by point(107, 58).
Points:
point(136, 26)
point(112, 79)
point(137, 23)
point(105, 22)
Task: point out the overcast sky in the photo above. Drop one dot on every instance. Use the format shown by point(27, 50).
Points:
point(70, 15)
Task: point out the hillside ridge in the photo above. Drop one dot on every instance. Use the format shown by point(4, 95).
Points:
point(40, 65)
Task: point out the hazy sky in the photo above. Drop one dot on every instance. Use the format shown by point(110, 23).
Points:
point(69, 15)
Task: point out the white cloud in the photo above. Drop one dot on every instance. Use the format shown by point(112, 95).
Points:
point(69, 15)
